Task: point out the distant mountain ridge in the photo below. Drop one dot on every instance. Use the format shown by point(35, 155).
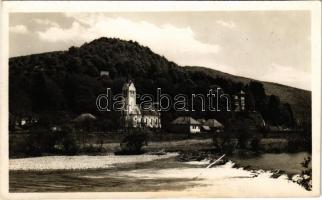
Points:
point(72, 77)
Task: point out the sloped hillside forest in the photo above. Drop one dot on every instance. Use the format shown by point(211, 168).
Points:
point(58, 86)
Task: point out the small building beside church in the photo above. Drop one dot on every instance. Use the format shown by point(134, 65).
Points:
point(133, 116)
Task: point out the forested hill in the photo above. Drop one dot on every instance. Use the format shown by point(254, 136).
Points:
point(299, 99)
point(70, 81)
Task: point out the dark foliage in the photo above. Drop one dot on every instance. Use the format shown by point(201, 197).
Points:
point(68, 140)
point(255, 144)
point(40, 141)
point(43, 141)
point(133, 143)
point(306, 175)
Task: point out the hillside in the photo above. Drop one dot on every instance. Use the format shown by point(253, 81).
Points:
point(70, 81)
point(299, 99)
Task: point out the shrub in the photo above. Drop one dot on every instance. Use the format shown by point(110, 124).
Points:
point(40, 140)
point(132, 144)
point(225, 144)
point(294, 144)
point(255, 144)
point(92, 149)
point(69, 141)
point(305, 178)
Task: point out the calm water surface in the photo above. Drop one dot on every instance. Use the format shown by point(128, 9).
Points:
point(288, 162)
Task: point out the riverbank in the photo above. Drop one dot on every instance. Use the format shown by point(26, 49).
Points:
point(288, 163)
point(79, 162)
point(21, 145)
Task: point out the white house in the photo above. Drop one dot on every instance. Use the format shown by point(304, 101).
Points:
point(185, 125)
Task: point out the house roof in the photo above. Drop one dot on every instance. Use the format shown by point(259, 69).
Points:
point(84, 117)
point(206, 128)
point(186, 120)
point(104, 72)
point(213, 123)
point(202, 121)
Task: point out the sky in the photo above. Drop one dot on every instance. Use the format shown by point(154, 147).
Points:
point(264, 45)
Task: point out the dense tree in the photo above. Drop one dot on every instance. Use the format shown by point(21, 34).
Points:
point(46, 94)
point(286, 115)
point(272, 112)
point(257, 90)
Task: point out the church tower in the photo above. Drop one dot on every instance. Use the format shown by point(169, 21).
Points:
point(129, 93)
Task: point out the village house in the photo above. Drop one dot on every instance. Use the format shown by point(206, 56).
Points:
point(185, 125)
point(135, 117)
point(203, 127)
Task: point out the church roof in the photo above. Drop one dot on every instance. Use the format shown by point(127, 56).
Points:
point(136, 110)
point(150, 111)
point(127, 85)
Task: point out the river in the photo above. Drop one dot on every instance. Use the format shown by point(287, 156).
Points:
point(165, 174)
point(288, 162)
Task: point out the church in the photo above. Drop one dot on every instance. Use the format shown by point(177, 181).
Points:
point(133, 116)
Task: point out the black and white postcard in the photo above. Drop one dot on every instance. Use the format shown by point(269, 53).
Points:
point(160, 99)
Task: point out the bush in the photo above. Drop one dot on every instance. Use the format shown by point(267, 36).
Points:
point(17, 145)
point(306, 175)
point(225, 144)
point(132, 144)
point(255, 144)
point(40, 140)
point(69, 141)
point(295, 144)
point(92, 149)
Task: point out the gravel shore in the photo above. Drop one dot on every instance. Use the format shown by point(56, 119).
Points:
point(79, 162)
